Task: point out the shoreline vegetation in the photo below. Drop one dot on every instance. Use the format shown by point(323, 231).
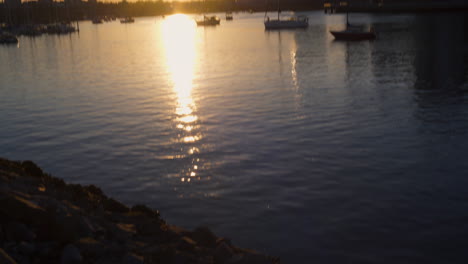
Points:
point(45, 220)
point(16, 12)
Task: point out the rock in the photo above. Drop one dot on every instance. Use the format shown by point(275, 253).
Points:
point(235, 259)
point(39, 214)
point(20, 209)
point(2, 234)
point(47, 249)
point(179, 230)
point(250, 258)
point(187, 243)
point(223, 253)
point(53, 206)
point(94, 190)
point(164, 254)
point(132, 259)
point(70, 255)
point(121, 232)
point(181, 259)
point(145, 210)
point(204, 237)
point(32, 169)
point(76, 191)
point(90, 248)
point(147, 227)
point(5, 258)
point(19, 232)
point(26, 249)
point(65, 229)
point(55, 182)
point(223, 240)
point(114, 206)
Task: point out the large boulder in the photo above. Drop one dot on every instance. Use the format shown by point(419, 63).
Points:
point(71, 255)
point(90, 248)
point(19, 208)
point(32, 169)
point(223, 253)
point(5, 258)
point(204, 237)
point(26, 249)
point(132, 259)
point(113, 205)
point(145, 210)
point(19, 232)
point(65, 229)
point(251, 258)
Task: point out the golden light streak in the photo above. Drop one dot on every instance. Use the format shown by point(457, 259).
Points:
point(179, 38)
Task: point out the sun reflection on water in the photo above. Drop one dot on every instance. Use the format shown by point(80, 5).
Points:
point(179, 37)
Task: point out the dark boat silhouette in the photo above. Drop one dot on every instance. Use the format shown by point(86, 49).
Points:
point(209, 21)
point(353, 32)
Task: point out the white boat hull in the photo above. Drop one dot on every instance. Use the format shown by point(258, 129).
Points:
point(285, 24)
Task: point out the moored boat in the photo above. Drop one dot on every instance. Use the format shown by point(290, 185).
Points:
point(7, 38)
point(97, 21)
point(209, 21)
point(60, 28)
point(285, 23)
point(353, 33)
point(127, 20)
point(292, 22)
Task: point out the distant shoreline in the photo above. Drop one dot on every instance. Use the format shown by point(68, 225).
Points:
point(399, 10)
point(44, 12)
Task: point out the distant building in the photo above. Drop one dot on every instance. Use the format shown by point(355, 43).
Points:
point(73, 2)
point(45, 2)
point(12, 3)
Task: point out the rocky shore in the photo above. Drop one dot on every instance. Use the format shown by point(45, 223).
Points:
point(45, 220)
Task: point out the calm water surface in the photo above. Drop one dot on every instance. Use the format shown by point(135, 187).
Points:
point(287, 142)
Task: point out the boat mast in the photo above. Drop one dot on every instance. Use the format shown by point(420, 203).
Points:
point(347, 14)
point(279, 10)
point(347, 20)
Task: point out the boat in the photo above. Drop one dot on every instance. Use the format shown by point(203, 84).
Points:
point(97, 21)
point(7, 38)
point(127, 20)
point(229, 16)
point(209, 21)
point(292, 22)
point(353, 32)
point(31, 30)
point(289, 23)
point(60, 28)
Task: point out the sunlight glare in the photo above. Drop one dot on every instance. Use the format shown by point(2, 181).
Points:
point(179, 39)
point(179, 42)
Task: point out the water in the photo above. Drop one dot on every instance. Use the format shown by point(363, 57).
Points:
point(286, 142)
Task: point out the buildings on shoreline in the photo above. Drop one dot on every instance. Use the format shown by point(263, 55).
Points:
point(395, 5)
point(16, 12)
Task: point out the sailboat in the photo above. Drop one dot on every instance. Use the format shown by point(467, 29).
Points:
point(291, 22)
point(208, 20)
point(353, 32)
point(7, 38)
point(127, 20)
